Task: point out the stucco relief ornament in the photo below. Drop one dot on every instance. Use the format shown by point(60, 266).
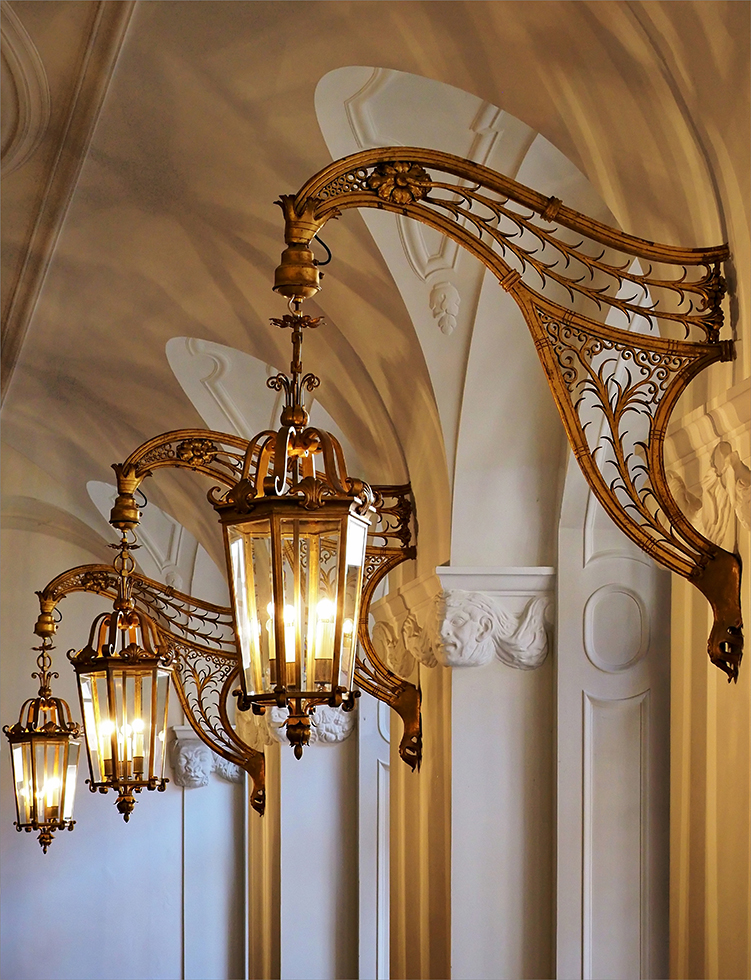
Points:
point(470, 629)
point(725, 492)
point(327, 725)
point(399, 182)
point(192, 762)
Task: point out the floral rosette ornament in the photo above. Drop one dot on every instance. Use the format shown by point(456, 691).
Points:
point(399, 183)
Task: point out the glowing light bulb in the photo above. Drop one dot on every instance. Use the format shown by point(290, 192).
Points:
point(326, 610)
point(348, 627)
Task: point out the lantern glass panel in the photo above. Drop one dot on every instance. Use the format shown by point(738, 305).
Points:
point(357, 532)
point(159, 728)
point(24, 781)
point(71, 774)
point(125, 718)
point(309, 559)
point(48, 778)
point(99, 727)
point(249, 548)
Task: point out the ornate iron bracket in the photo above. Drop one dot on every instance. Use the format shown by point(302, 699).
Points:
point(614, 320)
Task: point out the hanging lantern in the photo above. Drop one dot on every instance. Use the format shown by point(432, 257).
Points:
point(295, 529)
point(45, 745)
point(123, 683)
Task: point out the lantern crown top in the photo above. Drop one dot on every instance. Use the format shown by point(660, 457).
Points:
point(44, 714)
point(298, 462)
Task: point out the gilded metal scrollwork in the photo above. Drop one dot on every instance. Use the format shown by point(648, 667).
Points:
point(621, 326)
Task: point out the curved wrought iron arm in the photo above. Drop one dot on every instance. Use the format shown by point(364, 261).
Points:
point(611, 333)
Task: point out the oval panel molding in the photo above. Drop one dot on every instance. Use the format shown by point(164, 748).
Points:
point(616, 628)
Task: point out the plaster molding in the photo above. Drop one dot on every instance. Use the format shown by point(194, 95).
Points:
point(724, 493)
point(360, 115)
point(694, 437)
point(429, 625)
point(214, 386)
point(192, 761)
point(109, 27)
point(27, 85)
point(444, 305)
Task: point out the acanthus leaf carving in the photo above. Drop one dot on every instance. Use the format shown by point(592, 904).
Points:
point(327, 726)
point(444, 305)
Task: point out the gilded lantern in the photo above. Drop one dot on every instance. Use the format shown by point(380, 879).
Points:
point(45, 745)
point(295, 530)
point(123, 683)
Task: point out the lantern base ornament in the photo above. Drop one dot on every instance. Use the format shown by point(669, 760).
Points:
point(298, 732)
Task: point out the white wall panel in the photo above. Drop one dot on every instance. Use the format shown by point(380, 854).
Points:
point(613, 709)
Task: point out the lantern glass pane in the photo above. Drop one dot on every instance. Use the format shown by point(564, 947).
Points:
point(357, 531)
point(156, 764)
point(310, 551)
point(48, 772)
point(71, 777)
point(249, 548)
point(99, 727)
point(22, 775)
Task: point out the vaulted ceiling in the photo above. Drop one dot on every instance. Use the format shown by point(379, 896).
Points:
point(145, 143)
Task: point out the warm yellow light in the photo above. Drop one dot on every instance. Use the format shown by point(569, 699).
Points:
point(51, 786)
point(106, 728)
point(326, 610)
point(138, 725)
point(348, 627)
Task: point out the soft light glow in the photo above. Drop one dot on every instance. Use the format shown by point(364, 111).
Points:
point(326, 610)
point(290, 621)
point(50, 788)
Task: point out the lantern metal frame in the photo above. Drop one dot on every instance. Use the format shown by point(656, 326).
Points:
point(44, 728)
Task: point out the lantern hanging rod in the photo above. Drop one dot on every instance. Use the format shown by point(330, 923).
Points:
point(614, 318)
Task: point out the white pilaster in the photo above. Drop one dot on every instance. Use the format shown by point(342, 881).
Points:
point(502, 797)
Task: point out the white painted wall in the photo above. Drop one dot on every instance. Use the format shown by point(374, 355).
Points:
point(158, 898)
point(319, 880)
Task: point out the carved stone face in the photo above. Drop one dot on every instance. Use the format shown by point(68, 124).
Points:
point(193, 766)
point(462, 631)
